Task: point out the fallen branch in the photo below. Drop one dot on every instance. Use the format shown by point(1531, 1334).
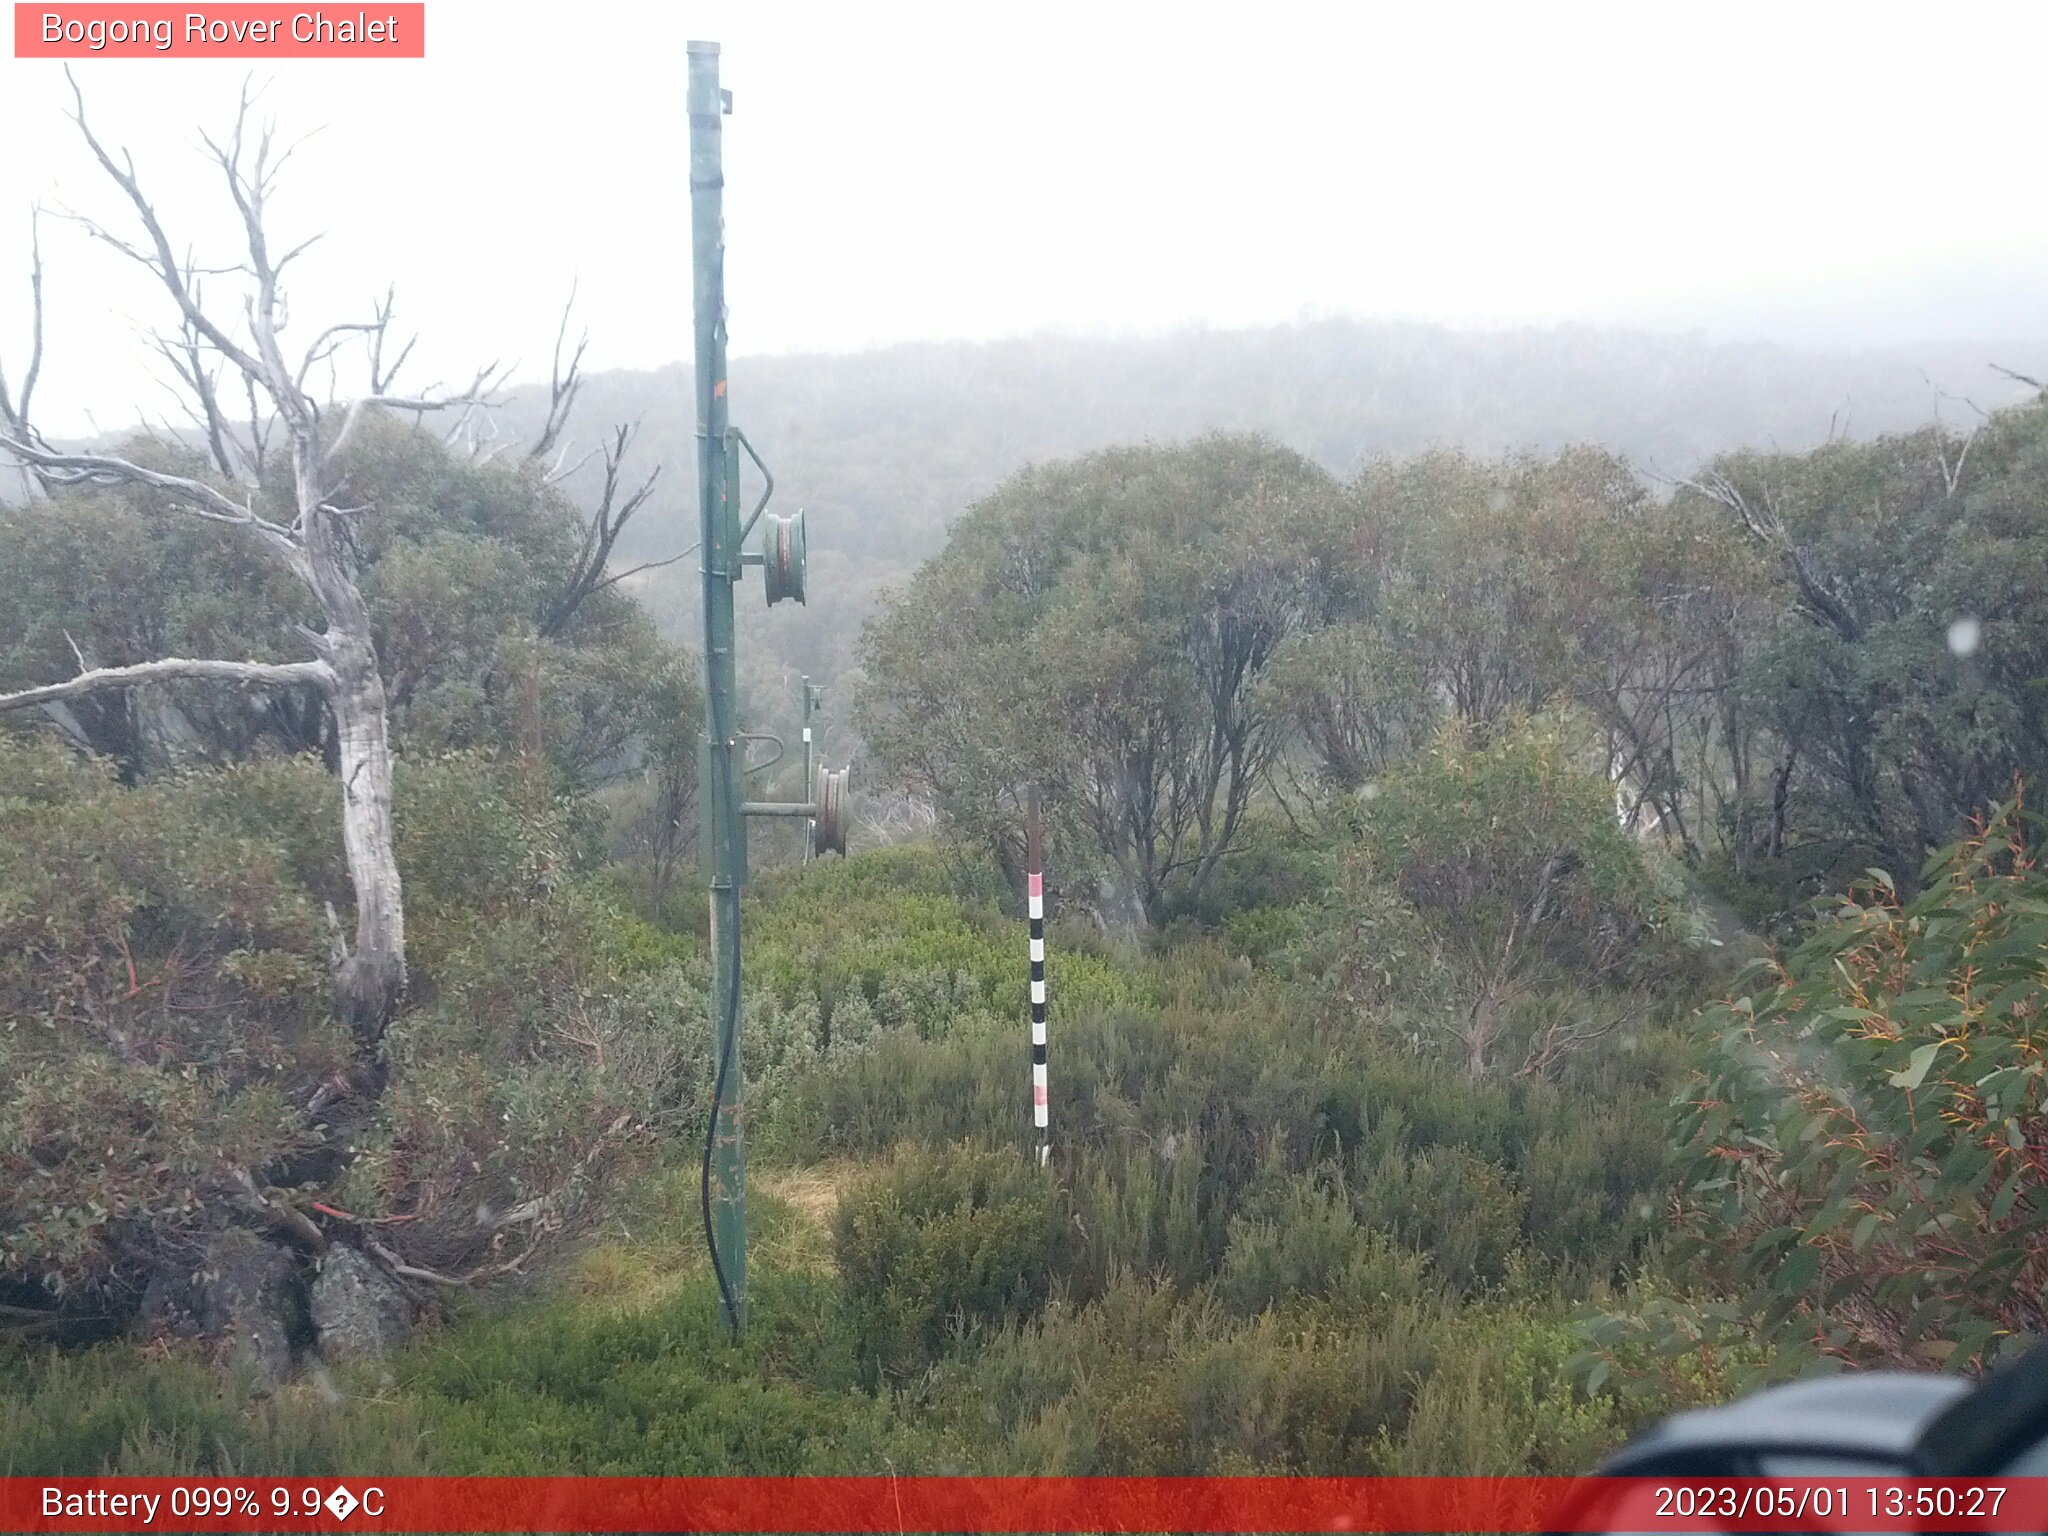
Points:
point(288, 1221)
point(405, 1271)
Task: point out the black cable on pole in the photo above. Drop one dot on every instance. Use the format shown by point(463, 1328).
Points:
point(728, 1032)
point(710, 1143)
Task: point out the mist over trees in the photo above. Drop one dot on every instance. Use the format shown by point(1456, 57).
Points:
point(1798, 666)
point(885, 448)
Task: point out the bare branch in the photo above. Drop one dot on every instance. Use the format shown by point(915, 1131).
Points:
point(481, 391)
point(330, 341)
point(163, 263)
point(562, 469)
point(35, 346)
point(647, 565)
point(204, 385)
point(2021, 378)
point(403, 1270)
point(286, 1220)
point(479, 438)
point(259, 432)
point(14, 413)
point(265, 674)
point(196, 496)
point(380, 378)
point(1766, 524)
point(249, 192)
point(602, 532)
point(562, 385)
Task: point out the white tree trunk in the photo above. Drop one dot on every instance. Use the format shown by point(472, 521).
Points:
point(371, 982)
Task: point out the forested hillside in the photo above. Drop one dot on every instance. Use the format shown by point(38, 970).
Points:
point(885, 448)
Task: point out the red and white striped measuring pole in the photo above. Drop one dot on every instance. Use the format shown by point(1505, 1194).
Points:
point(1035, 902)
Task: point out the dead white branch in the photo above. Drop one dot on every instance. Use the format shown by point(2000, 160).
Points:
point(315, 545)
point(14, 409)
point(288, 674)
point(481, 391)
point(194, 496)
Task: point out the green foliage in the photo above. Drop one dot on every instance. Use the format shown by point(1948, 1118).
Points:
point(940, 1246)
point(1312, 1247)
point(649, 1391)
point(465, 568)
point(121, 1410)
point(1102, 626)
point(1863, 1139)
point(1264, 1245)
point(1489, 890)
point(1458, 1208)
point(1504, 1398)
point(1146, 1380)
point(163, 1010)
point(168, 1022)
point(1895, 688)
point(1339, 1156)
point(1510, 840)
point(553, 1044)
point(117, 577)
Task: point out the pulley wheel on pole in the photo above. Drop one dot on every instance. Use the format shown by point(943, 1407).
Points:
point(830, 826)
point(782, 557)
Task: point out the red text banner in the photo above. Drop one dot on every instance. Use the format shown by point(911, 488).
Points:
point(1215, 1505)
point(241, 31)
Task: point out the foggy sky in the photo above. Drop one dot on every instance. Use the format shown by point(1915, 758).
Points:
point(1815, 173)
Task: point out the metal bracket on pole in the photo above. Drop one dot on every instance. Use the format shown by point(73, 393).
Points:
point(768, 486)
point(763, 767)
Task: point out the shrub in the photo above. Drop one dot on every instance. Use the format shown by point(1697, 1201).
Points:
point(1486, 870)
point(1864, 1136)
point(1462, 1211)
point(165, 1007)
point(1310, 1247)
point(1150, 1380)
point(1504, 1401)
point(941, 1246)
point(164, 985)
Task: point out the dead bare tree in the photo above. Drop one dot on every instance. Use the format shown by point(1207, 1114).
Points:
point(208, 352)
point(615, 506)
point(591, 573)
point(1762, 521)
point(563, 386)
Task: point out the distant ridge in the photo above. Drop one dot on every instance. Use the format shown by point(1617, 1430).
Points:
point(887, 446)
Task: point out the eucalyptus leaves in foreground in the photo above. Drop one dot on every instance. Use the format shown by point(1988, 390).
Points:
point(1869, 1136)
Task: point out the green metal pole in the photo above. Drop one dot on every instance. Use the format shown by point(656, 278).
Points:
point(725, 829)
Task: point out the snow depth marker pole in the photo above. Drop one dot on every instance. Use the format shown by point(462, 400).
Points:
point(1035, 900)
